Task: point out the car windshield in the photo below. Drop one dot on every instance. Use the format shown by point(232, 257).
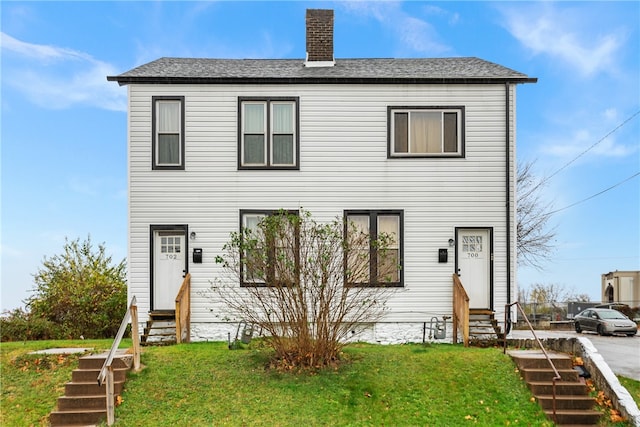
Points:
point(611, 314)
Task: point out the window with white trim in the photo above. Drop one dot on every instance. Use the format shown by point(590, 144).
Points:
point(268, 133)
point(168, 132)
point(426, 131)
point(376, 259)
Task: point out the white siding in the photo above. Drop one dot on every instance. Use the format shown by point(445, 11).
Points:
point(343, 165)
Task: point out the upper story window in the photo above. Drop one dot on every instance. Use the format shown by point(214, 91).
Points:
point(268, 133)
point(426, 131)
point(168, 132)
point(375, 240)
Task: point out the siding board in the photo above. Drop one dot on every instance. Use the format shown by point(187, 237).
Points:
point(343, 165)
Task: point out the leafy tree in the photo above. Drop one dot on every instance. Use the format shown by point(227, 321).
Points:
point(81, 291)
point(294, 271)
point(535, 240)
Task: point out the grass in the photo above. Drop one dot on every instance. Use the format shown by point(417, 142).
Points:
point(30, 384)
point(207, 384)
point(632, 386)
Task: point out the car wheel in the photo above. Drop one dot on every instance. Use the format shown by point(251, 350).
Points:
point(600, 330)
point(631, 334)
point(578, 328)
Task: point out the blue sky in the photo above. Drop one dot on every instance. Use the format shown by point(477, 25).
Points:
point(64, 126)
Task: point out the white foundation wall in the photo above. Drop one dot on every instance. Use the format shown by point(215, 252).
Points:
point(379, 333)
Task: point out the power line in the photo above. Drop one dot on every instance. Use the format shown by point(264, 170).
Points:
point(594, 195)
point(588, 149)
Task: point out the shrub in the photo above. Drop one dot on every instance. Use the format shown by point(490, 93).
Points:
point(294, 271)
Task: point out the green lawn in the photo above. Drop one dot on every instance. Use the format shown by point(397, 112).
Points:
point(205, 384)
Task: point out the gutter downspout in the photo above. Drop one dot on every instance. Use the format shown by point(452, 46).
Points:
point(508, 187)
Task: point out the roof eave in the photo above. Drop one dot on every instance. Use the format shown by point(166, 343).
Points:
point(125, 80)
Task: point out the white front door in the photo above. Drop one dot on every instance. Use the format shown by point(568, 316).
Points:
point(473, 259)
point(168, 267)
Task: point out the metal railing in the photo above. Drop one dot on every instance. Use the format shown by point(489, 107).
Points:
point(183, 311)
point(557, 377)
point(460, 311)
point(106, 373)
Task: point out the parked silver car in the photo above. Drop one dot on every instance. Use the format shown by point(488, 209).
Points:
point(604, 321)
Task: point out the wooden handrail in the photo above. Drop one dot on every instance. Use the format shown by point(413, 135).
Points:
point(183, 311)
point(460, 311)
point(106, 373)
point(557, 377)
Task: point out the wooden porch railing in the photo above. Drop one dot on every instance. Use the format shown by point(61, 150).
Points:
point(183, 311)
point(460, 311)
point(106, 373)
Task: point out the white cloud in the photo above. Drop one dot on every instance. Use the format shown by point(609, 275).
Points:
point(570, 36)
point(58, 78)
point(414, 33)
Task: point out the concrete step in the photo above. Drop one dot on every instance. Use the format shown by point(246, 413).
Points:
point(68, 403)
point(567, 388)
point(88, 375)
point(95, 361)
point(77, 418)
point(528, 359)
point(566, 402)
point(547, 374)
point(90, 388)
point(574, 417)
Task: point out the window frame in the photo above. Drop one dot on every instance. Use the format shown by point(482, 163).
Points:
point(266, 212)
point(268, 132)
point(373, 253)
point(460, 144)
point(155, 165)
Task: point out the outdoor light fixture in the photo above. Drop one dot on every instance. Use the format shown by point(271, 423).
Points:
point(452, 242)
point(192, 235)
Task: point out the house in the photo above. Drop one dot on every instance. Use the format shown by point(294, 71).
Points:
point(621, 287)
point(422, 148)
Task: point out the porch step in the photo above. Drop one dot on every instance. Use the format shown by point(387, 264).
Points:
point(483, 328)
point(573, 404)
point(84, 402)
point(160, 328)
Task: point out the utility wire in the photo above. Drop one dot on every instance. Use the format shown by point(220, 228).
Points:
point(588, 149)
point(594, 195)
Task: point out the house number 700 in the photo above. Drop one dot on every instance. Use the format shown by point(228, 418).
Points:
point(472, 254)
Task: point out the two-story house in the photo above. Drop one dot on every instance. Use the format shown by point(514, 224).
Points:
point(423, 149)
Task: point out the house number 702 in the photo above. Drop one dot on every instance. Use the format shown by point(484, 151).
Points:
point(172, 256)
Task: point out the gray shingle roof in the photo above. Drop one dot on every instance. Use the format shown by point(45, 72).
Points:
point(419, 70)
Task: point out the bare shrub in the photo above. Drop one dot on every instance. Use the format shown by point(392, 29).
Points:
point(292, 273)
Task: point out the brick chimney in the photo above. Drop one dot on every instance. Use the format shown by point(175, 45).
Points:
point(319, 38)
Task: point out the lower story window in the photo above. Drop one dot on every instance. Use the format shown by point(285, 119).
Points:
point(270, 248)
point(374, 247)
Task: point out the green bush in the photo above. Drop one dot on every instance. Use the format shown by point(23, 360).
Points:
point(18, 325)
point(80, 292)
